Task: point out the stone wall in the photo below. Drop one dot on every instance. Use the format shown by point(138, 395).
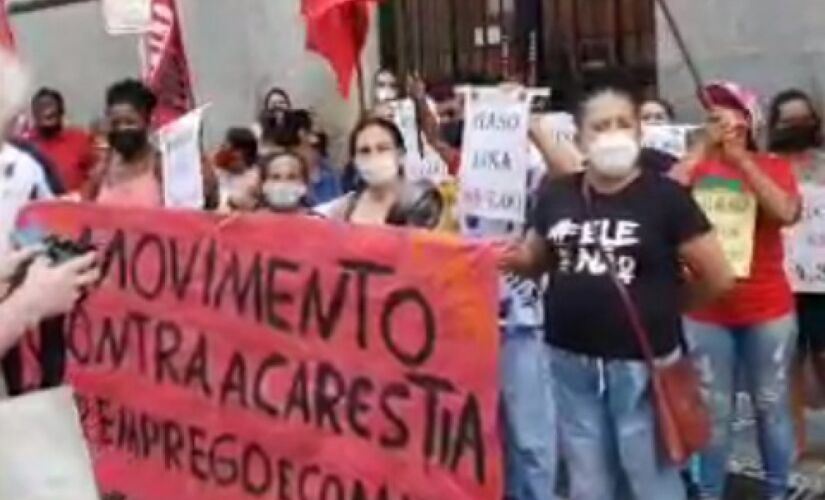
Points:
point(767, 44)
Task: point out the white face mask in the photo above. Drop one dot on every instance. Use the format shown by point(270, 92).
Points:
point(379, 170)
point(614, 154)
point(284, 195)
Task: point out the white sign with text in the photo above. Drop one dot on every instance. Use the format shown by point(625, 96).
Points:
point(182, 164)
point(670, 139)
point(127, 17)
point(805, 243)
point(493, 175)
point(421, 161)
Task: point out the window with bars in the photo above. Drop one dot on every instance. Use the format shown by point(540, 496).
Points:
point(567, 44)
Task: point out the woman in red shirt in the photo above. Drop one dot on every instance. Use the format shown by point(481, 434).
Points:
point(753, 329)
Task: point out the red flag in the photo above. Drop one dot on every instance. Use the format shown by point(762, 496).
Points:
point(6, 34)
point(166, 70)
point(337, 29)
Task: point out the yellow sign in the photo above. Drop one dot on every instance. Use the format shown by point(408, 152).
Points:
point(733, 215)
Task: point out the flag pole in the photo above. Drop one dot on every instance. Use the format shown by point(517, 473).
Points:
point(362, 96)
point(693, 69)
point(359, 67)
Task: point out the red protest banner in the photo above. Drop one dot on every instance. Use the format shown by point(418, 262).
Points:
point(165, 66)
point(283, 357)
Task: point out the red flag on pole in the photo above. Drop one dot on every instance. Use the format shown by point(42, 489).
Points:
point(6, 34)
point(337, 30)
point(165, 68)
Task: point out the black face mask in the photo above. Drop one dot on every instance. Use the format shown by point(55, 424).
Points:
point(795, 139)
point(453, 133)
point(128, 142)
point(49, 131)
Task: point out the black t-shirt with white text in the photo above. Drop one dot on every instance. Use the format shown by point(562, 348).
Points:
point(640, 228)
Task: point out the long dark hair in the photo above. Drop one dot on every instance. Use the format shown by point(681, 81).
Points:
point(783, 98)
point(275, 91)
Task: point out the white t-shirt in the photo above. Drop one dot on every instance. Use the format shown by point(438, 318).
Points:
point(21, 180)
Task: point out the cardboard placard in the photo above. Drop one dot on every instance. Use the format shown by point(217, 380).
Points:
point(493, 175)
point(805, 243)
point(732, 211)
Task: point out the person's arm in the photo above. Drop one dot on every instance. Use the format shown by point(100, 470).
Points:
point(709, 274)
point(529, 259)
point(16, 318)
point(10, 265)
point(561, 158)
point(211, 186)
point(779, 204)
point(89, 156)
point(46, 291)
point(683, 171)
point(428, 124)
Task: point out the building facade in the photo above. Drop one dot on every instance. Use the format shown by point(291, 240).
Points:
point(573, 45)
point(240, 48)
point(768, 45)
point(569, 45)
point(237, 50)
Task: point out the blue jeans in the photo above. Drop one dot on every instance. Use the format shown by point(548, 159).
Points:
point(529, 415)
point(608, 431)
point(762, 353)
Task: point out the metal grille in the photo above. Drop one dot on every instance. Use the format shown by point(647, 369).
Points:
point(570, 45)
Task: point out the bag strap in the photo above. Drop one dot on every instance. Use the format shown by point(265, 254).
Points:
point(628, 304)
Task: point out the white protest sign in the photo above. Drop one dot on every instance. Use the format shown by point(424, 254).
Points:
point(418, 163)
point(493, 175)
point(431, 167)
point(44, 454)
point(670, 139)
point(562, 126)
point(403, 114)
point(182, 165)
point(127, 17)
point(805, 243)
point(731, 210)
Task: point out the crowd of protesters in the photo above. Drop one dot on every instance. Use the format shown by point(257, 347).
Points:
point(608, 217)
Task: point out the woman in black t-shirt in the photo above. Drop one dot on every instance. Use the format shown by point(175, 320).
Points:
point(648, 226)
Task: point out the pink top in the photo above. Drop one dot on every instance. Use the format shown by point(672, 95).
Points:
point(142, 191)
